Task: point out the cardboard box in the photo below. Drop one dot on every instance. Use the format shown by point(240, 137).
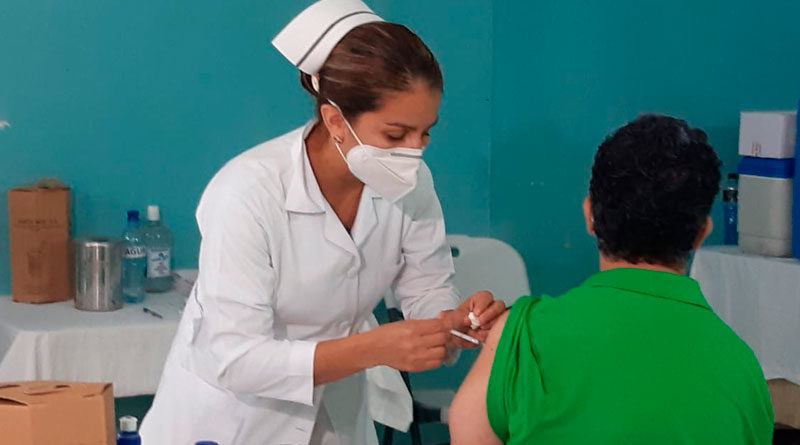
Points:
point(56, 413)
point(39, 231)
point(767, 134)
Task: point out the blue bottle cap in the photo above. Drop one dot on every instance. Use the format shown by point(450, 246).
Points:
point(206, 442)
point(133, 215)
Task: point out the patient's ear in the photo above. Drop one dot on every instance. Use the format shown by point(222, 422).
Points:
point(587, 215)
point(704, 232)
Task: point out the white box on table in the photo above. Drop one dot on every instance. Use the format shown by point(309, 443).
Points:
point(767, 134)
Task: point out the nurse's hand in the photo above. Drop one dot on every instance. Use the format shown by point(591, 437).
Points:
point(483, 305)
point(412, 345)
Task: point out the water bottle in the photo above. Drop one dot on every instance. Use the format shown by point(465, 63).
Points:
point(134, 260)
point(730, 199)
point(128, 434)
point(158, 245)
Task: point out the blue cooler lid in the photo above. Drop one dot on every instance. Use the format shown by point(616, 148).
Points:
point(770, 168)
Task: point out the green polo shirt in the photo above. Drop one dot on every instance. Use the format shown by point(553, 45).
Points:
point(632, 356)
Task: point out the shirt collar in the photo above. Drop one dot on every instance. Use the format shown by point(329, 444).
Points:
point(303, 194)
point(670, 286)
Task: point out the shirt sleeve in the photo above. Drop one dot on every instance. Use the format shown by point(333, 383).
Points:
point(235, 342)
point(424, 285)
point(506, 394)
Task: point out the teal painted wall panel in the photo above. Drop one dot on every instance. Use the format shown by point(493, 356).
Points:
point(141, 102)
point(567, 73)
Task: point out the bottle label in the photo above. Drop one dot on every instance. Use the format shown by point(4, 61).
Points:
point(158, 263)
point(132, 252)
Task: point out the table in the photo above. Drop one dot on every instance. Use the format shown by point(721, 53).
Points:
point(55, 341)
point(759, 298)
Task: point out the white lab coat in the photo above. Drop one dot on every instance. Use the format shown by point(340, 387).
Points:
point(279, 273)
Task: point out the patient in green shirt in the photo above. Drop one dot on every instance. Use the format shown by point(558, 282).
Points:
point(634, 355)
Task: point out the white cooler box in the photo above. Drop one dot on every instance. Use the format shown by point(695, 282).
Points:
point(765, 206)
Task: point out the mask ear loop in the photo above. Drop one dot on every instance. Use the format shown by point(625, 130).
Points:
point(349, 127)
point(339, 148)
point(337, 140)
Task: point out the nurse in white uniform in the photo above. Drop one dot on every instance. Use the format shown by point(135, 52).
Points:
point(302, 236)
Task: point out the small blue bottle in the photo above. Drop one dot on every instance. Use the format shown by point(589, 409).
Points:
point(128, 434)
point(134, 260)
point(730, 209)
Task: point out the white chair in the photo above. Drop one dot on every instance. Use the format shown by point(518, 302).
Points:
point(488, 264)
point(480, 264)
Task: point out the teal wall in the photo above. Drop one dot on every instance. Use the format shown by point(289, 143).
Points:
point(138, 102)
point(568, 72)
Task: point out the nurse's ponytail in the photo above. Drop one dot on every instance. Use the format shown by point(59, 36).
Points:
point(371, 60)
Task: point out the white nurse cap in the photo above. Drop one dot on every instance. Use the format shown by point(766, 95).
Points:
point(309, 38)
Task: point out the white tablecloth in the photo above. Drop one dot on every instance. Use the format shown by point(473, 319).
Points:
point(759, 297)
point(128, 347)
point(56, 341)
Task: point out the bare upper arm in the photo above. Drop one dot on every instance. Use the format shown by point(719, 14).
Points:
point(469, 421)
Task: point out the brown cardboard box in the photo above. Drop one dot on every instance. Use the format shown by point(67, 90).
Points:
point(39, 230)
point(56, 413)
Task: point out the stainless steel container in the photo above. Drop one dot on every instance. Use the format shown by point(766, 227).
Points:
point(98, 274)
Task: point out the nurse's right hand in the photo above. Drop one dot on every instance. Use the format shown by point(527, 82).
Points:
point(412, 345)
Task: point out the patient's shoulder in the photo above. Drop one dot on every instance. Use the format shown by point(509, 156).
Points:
point(515, 317)
point(497, 331)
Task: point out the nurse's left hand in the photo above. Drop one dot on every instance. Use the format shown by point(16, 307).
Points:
point(484, 306)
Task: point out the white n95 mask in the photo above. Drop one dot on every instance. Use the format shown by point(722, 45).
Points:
point(391, 172)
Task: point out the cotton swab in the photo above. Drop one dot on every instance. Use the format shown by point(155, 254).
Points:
point(475, 323)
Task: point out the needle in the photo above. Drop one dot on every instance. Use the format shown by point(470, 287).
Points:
point(466, 337)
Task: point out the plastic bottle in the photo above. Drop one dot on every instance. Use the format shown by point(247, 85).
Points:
point(158, 243)
point(730, 199)
point(134, 260)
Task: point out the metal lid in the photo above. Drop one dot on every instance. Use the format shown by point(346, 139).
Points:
point(730, 195)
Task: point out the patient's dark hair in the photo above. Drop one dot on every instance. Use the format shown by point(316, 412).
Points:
point(653, 183)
